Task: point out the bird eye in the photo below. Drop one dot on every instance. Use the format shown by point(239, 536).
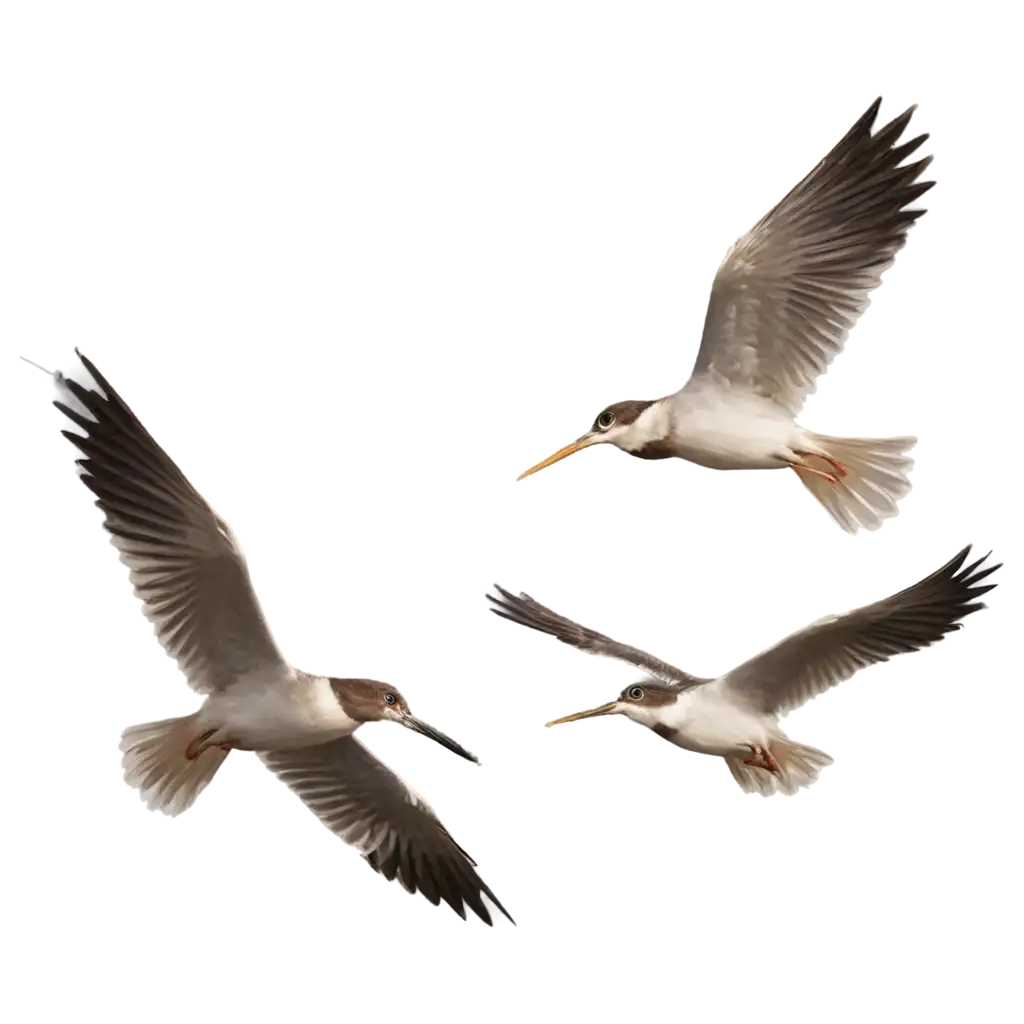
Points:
point(637, 693)
point(606, 419)
point(389, 697)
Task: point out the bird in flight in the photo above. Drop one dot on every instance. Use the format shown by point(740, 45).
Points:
point(782, 304)
point(736, 716)
point(188, 569)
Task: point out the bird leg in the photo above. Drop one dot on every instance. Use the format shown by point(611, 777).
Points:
point(834, 463)
point(801, 468)
point(761, 757)
point(200, 744)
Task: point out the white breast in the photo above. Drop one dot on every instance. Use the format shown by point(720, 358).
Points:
point(653, 424)
point(259, 713)
point(707, 723)
point(725, 429)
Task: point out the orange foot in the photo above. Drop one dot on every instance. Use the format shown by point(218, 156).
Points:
point(200, 744)
point(834, 463)
point(761, 757)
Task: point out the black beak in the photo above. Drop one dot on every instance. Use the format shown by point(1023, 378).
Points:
point(423, 729)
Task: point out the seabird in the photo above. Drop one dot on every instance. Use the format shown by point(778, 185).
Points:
point(736, 715)
point(193, 584)
point(782, 304)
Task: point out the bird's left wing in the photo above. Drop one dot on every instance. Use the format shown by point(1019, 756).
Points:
point(831, 650)
point(186, 564)
point(527, 612)
point(367, 805)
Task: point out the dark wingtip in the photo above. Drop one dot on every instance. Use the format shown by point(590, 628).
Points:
point(502, 918)
point(508, 605)
point(489, 912)
point(88, 364)
point(971, 576)
point(966, 577)
point(491, 592)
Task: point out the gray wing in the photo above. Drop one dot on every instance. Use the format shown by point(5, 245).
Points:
point(186, 565)
point(367, 805)
point(789, 291)
point(825, 653)
point(527, 612)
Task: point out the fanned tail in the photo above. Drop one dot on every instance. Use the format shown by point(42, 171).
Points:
point(799, 766)
point(875, 478)
point(155, 763)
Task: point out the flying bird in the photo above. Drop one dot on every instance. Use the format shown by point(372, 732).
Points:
point(782, 304)
point(736, 716)
point(188, 569)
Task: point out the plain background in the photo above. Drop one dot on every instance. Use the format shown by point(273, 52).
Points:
point(358, 266)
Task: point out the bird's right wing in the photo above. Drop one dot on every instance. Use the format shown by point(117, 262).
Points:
point(527, 612)
point(789, 291)
point(364, 803)
point(186, 564)
point(829, 651)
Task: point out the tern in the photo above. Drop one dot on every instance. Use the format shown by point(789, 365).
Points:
point(188, 569)
point(736, 716)
point(782, 304)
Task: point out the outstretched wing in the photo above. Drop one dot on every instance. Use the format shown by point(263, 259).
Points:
point(185, 563)
point(367, 805)
point(825, 653)
point(527, 612)
point(789, 291)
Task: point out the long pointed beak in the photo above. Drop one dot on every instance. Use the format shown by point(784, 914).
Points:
point(563, 453)
point(411, 722)
point(604, 709)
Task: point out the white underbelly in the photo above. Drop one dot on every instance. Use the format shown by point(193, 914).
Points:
point(707, 725)
point(276, 715)
point(725, 430)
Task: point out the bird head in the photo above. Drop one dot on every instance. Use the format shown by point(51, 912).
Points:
point(623, 425)
point(365, 700)
point(644, 702)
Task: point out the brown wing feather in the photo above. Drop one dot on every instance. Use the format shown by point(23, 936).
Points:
point(186, 565)
point(825, 653)
point(527, 612)
point(789, 291)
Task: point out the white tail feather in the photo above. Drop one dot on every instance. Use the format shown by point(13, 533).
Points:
point(155, 764)
point(799, 766)
point(875, 481)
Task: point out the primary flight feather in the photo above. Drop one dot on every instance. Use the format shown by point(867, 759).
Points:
point(189, 571)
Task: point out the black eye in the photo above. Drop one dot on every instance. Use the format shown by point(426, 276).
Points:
point(389, 697)
point(637, 693)
point(606, 419)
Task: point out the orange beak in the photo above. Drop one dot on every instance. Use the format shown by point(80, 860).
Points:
point(563, 453)
point(604, 709)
